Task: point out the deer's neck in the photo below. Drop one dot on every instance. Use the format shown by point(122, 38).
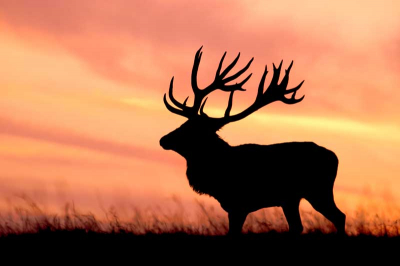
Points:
point(202, 165)
point(206, 150)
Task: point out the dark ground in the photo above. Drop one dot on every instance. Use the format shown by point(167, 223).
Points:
point(313, 248)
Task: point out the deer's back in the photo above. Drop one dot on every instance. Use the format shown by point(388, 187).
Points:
point(292, 158)
point(287, 168)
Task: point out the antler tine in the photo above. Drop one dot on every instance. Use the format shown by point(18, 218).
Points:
point(202, 108)
point(237, 86)
point(295, 88)
point(275, 77)
point(195, 69)
point(240, 72)
point(261, 85)
point(217, 74)
point(171, 96)
point(285, 80)
point(292, 99)
point(184, 110)
point(229, 108)
point(173, 109)
point(282, 88)
point(228, 68)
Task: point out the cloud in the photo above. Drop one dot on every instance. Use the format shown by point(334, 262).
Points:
point(65, 137)
point(39, 159)
point(159, 32)
point(125, 53)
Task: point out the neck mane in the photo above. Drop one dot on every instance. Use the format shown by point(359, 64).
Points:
point(202, 160)
point(206, 149)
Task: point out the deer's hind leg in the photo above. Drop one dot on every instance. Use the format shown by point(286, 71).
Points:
point(325, 204)
point(292, 214)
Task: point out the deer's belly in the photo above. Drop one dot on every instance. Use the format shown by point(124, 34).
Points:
point(250, 201)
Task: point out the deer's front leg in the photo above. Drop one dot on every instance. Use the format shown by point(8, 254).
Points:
point(292, 214)
point(236, 221)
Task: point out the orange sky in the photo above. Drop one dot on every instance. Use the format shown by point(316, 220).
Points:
point(82, 82)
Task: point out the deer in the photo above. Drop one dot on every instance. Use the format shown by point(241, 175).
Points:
point(248, 177)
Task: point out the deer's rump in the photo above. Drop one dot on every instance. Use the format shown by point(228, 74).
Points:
point(293, 169)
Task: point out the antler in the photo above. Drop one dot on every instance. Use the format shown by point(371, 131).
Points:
point(274, 92)
point(220, 82)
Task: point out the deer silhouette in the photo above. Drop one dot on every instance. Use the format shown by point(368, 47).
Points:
point(249, 177)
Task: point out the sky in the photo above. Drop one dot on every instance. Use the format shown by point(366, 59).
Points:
point(82, 83)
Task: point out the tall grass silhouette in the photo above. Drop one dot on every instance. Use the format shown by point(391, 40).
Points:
point(30, 218)
point(146, 233)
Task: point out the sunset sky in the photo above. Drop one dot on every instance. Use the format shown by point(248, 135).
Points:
point(82, 83)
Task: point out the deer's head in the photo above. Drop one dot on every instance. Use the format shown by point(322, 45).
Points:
point(195, 132)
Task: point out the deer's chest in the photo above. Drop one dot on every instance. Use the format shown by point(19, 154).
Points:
point(205, 178)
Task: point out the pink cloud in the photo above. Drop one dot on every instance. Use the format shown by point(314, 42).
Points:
point(38, 159)
point(165, 35)
point(103, 33)
point(64, 137)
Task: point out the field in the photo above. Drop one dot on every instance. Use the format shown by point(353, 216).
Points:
point(157, 231)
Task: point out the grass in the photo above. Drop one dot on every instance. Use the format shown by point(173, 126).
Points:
point(155, 230)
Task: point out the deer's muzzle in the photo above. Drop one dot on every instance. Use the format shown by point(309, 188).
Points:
point(164, 143)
